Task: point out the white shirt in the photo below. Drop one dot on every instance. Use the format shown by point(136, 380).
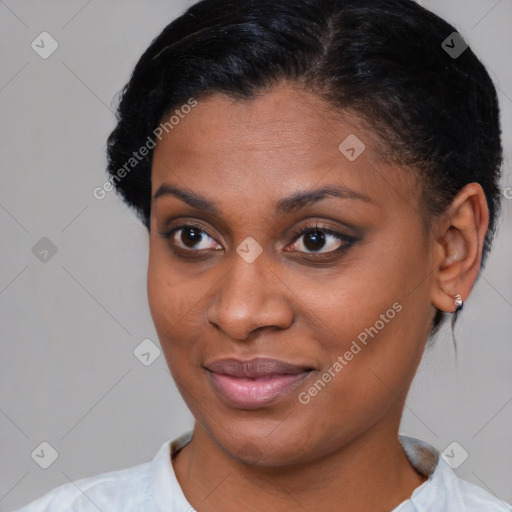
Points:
point(153, 487)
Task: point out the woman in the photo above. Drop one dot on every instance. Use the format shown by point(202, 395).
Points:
point(318, 195)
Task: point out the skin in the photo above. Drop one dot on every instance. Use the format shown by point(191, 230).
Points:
point(340, 451)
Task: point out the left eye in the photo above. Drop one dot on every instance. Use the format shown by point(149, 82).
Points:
point(315, 239)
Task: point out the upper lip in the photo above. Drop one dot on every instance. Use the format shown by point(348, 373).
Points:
point(254, 368)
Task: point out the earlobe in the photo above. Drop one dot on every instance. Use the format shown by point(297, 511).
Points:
point(459, 243)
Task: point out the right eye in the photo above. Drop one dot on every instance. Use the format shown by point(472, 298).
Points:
point(188, 237)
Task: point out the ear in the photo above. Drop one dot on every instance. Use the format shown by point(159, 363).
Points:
point(459, 239)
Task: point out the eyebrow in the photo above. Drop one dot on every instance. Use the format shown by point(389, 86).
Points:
point(189, 197)
point(284, 206)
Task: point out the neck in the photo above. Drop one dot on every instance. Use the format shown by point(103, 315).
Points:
point(370, 473)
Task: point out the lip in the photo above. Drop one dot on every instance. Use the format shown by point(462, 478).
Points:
point(255, 383)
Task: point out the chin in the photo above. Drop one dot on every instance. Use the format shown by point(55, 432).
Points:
point(269, 447)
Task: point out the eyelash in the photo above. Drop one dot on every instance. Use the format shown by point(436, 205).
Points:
point(312, 228)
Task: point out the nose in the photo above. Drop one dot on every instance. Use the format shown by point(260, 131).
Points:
point(250, 297)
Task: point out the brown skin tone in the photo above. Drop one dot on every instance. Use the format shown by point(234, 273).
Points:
point(339, 452)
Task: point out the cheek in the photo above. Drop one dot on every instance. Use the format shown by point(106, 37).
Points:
point(166, 299)
point(175, 304)
point(373, 320)
point(365, 375)
point(176, 301)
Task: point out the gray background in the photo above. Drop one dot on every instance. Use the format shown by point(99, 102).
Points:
point(69, 325)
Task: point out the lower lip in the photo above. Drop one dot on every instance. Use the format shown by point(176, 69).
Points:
point(245, 393)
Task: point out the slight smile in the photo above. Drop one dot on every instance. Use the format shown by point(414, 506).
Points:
point(255, 383)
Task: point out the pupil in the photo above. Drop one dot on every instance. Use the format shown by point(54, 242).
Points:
point(317, 238)
point(190, 236)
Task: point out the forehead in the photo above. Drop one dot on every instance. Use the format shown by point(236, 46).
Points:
point(284, 118)
point(283, 138)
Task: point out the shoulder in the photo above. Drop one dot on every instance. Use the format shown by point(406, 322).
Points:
point(148, 487)
point(444, 491)
point(470, 497)
point(125, 489)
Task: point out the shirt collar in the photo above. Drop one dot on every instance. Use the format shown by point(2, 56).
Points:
point(422, 456)
point(168, 495)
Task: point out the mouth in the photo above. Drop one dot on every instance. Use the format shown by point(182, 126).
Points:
point(255, 383)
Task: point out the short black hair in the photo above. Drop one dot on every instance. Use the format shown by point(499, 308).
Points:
point(381, 59)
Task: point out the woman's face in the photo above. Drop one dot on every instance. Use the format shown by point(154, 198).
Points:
point(286, 347)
